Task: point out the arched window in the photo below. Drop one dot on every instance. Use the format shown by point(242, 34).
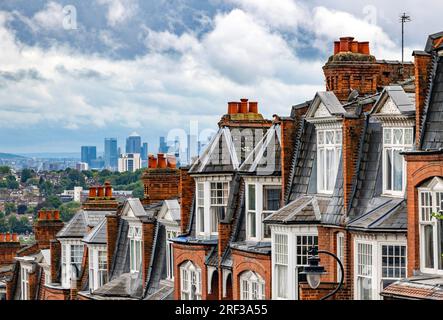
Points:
point(252, 286)
point(191, 284)
point(431, 226)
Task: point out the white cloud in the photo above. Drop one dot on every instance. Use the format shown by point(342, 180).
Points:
point(119, 10)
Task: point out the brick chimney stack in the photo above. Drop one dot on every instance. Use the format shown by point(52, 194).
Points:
point(9, 245)
point(46, 227)
point(101, 198)
point(161, 179)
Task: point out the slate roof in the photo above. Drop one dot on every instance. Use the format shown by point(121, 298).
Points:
point(303, 171)
point(303, 210)
point(334, 213)
point(218, 151)
point(388, 215)
point(430, 43)
point(98, 234)
point(331, 102)
point(127, 285)
point(81, 223)
point(120, 259)
point(422, 287)
point(405, 102)
point(432, 136)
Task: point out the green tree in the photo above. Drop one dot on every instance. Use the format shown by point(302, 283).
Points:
point(12, 182)
point(68, 210)
point(52, 202)
point(46, 188)
point(10, 208)
point(138, 191)
point(26, 175)
point(5, 170)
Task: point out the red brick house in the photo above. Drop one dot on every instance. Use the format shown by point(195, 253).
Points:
point(425, 182)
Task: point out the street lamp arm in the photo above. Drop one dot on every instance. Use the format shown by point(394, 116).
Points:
point(342, 273)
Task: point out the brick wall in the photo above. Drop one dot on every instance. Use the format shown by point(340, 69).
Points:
point(419, 168)
point(148, 240)
point(352, 131)
point(258, 263)
point(197, 255)
point(55, 294)
point(422, 70)
point(160, 184)
point(8, 249)
point(56, 254)
point(46, 227)
point(186, 191)
point(112, 222)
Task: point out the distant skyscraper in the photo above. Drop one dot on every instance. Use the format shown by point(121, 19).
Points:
point(163, 146)
point(134, 144)
point(111, 154)
point(129, 162)
point(144, 151)
point(89, 153)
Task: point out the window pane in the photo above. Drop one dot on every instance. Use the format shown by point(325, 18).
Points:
point(398, 171)
point(329, 137)
point(321, 165)
point(387, 136)
point(409, 136)
point(388, 169)
point(428, 246)
point(251, 196)
point(282, 279)
point(271, 198)
point(330, 169)
point(398, 136)
point(201, 219)
point(252, 225)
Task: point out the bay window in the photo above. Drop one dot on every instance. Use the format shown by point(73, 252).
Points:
point(72, 257)
point(135, 248)
point(395, 141)
point(170, 234)
point(281, 265)
point(340, 253)
point(212, 202)
point(98, 269)
point(262, 200)
point(378, 263)
point(364, 271)
point(24, 282)
point(329, 146)
point(252, 286)
point(191, 283)
point(431, 228)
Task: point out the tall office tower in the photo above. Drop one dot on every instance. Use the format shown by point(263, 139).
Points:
point(129, 162)
point(163, 146)
point(134, 143)
point(144, 151)
point(193, 148)
point(111, 154)
point(89, 153)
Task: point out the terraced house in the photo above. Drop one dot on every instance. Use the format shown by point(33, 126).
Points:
point(357, 171)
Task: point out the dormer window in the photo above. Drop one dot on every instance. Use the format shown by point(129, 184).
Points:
point(98, 268)
point(212, 202)
point(329, 146)
point(263, 199)
point(191, 282)
point(395, 141)
point(72, 256)
point(135, 248)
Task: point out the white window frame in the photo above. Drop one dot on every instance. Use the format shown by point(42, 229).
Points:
point(281, 261)
point(98, 270)
point(135, 236)
point(340, 254)
point(376, 275)
point(67, 269)
point(252, 286)
point(205, 204)
point(425, 219)
point(259, 212)
point(392, 147)
point(190, 275)
point(24, 282)
point(293, 269)
point(170, 234)
point(322, 166)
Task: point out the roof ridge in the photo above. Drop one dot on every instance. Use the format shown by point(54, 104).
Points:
point(386, 214)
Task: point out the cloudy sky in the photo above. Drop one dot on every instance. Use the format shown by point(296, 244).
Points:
point(74, 72)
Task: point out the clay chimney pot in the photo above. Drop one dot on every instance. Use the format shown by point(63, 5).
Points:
point(100, 191)
point(2, 237)
point(8, 237)
point(363, 48)
point(42, 215)
point(243, 106)
point(253, 107)
point(152, 162)
point(57, 215)
point(232, 107)
point(336, 47)
point(92, 192)
point(161, 161)
point(14, 237)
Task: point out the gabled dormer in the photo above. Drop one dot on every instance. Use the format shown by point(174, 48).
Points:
point(326, 113)
point(395, 110)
